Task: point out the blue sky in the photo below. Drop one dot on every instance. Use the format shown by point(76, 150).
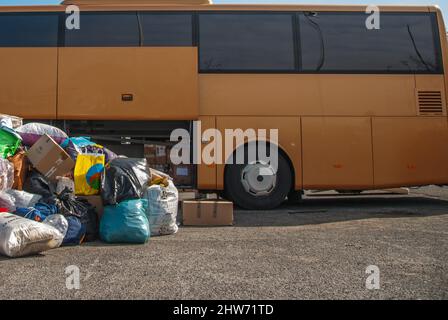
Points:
point(442, 3)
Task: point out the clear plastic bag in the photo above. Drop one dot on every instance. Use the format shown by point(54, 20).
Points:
point(7, 201)
point(6, 174)
point(31, 132)
point(60, 223)
point(23, 199)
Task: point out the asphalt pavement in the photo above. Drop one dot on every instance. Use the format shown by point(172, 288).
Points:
point(317, 249)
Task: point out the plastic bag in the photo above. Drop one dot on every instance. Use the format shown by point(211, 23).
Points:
point(9, 142)
point(74, 146)
point(76, 232)
point(88, 171)
point(90, 221)
point(125, 222)
point(5, 121)
point(69, 205)
point(38, 184)
point(77, 145)
point(20, 237)
point(6, 174)
point(7, 201)
point(9, 121)
point(124, 179)
point(31, 132)
point(63, 183)
point(58, 222)
point(21, 168)
point(162, 209)
point(30, 213)
point(23, 199)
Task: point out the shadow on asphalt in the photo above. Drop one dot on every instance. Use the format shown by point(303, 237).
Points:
point(31, 257)
point(321, 210)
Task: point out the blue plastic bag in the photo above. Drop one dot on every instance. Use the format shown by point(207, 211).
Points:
point(75, 233)
point(30, 213)
point(125, 222)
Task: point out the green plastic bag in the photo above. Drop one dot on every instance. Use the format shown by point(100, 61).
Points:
point(9, 142)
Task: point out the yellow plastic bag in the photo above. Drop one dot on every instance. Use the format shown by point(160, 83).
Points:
point(88, 170)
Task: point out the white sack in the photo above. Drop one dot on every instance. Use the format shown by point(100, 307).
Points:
point(20, 236)
point(162, 209)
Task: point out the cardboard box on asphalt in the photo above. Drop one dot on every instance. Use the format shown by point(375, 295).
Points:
point(207, 213)
point(49, 158)
point(97, 202)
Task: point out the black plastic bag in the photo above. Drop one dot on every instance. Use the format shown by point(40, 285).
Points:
point(70, 205)
point(90, 221)
point(124, 179)
point(38, 184)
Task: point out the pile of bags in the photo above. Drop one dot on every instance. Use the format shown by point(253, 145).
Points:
point(40, 211)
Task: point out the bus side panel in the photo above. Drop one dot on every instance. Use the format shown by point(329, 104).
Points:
point(307, 94)
point(28, 82)
point(157, 83)
point(289, 139)
point(206, 172)
point(337, 153)
point(410, 151)
point(367, 95)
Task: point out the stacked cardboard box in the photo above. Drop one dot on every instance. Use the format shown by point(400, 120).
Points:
point(158, 157)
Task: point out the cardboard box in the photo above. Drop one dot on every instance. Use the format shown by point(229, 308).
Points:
point(188, 195)
point(156, 154)
point(97, 202)
point(182, 174)
point(49, 158)
point(207, 213)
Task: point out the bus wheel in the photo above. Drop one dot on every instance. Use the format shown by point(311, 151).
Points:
point(256, 185)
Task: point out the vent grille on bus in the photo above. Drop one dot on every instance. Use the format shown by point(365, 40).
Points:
point(430, 103)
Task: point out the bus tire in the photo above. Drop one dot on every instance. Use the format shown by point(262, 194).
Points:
point(243, 195)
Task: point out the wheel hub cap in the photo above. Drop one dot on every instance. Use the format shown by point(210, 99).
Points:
point(258, 179)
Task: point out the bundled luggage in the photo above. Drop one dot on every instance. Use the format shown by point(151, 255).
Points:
point(124, 179)
point(57, 191)
point(9, 142)
point(31, 132)
point(125, 222)
point(20, 236)
point(162, 208)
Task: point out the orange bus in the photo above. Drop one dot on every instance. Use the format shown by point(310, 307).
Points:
point(356, 108)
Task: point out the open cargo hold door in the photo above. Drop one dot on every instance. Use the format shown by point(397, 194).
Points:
point(128, 83)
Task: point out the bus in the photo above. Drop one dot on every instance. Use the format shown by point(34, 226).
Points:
point(356, 106)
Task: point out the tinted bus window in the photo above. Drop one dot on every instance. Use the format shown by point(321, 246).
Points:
point(246, 42)
point(28, 29)
point(166, 29)
point(105, 29)
point(341, 42)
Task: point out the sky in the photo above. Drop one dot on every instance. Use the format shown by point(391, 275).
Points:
point(441, 3)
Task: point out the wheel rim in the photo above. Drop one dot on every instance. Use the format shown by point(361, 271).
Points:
point(258, 179)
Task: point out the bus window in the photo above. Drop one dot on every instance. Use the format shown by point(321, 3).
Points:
point(340, 42)
point(166, 29)
point(28, 29)
point(105, 29)
point(246, 42)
